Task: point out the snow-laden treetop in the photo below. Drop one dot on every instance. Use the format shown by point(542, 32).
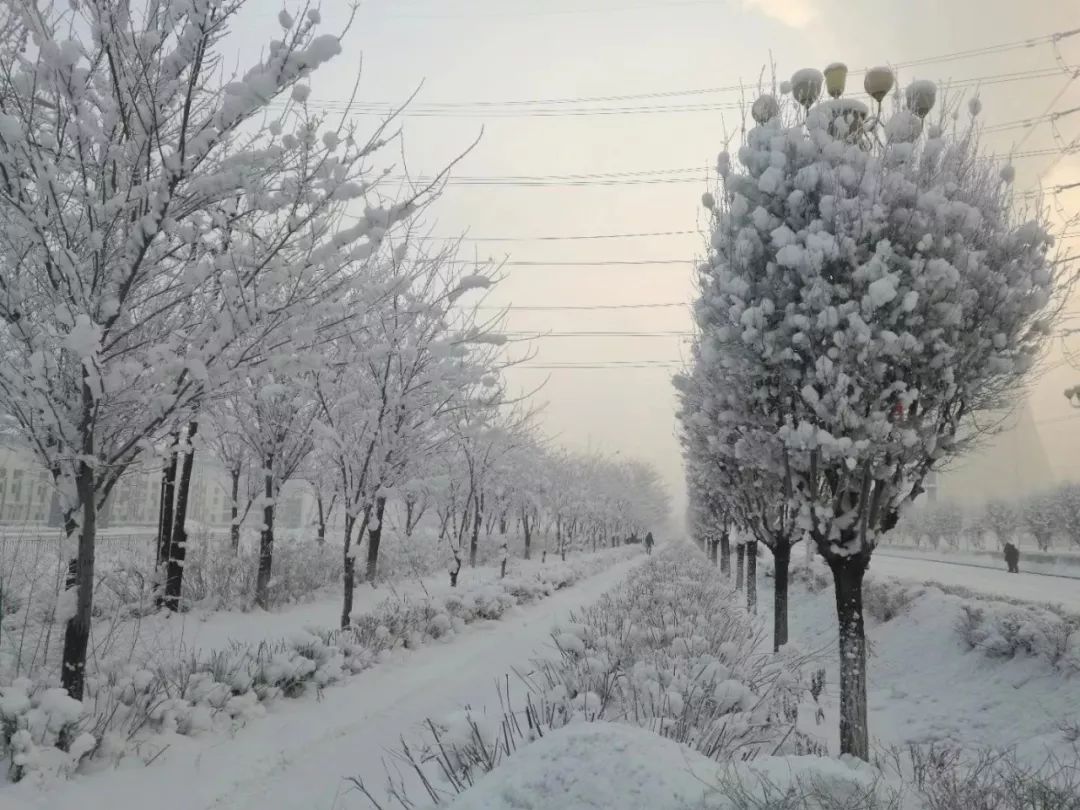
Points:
point(872, 287)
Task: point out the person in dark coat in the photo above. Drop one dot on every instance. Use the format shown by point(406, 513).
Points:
point(1012, 558)
point(648, 543)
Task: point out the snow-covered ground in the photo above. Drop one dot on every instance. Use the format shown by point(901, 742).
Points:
point(1026, 586)
point(924, 685)
point(301, 753)
point(1059, 563)
point(595, 766)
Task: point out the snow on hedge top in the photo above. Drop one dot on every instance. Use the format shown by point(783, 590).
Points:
point(607, 765)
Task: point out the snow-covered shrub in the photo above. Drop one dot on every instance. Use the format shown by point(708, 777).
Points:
point(217, 578)
point(39, 730)
point(885, 598)
point(673, 650)
point(942, 777)
point(1004, 630)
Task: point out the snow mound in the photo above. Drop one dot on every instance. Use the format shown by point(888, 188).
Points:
point(608, 765)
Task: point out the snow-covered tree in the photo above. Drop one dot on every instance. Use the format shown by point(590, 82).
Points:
point(1002, 519)
point(226, 442)
point(872, 288)
point(157, 239)
point(750, 496)
point(1039, 518)
point(1067, 512)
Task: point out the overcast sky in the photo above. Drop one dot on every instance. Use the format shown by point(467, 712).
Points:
point(471, 53)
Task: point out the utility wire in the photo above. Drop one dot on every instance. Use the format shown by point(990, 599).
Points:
point(427, 111)
point(587, 307)
point(559, 238)
point(651, 177)
point(739, 87)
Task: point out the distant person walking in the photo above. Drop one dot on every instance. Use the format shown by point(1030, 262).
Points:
point(1012, 558)
point(649, 543)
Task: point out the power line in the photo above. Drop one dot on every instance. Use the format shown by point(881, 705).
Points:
point(598, 334)
point(599, 263)
point(1053, 101)
point(661, 364)
point(734, 87)
point(650, 177)
point(463, 111)
point(561, 238)
point(556, 307)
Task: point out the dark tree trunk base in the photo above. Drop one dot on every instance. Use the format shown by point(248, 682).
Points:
point(848, 575)
point(782, 565)
point(751, 576)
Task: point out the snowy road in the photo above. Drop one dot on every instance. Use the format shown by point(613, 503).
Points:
point(1024, 586)
point(300, 755)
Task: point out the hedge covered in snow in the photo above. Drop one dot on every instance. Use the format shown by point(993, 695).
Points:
point(670, 650)
point(673, 650)
point(44, 732)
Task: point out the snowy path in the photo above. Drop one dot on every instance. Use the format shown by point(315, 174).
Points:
point(300, 754)
point(1024, 586)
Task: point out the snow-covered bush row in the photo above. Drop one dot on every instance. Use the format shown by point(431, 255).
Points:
point(671, 650)
point(44, 732)
point(1003, 630)
point(1049, 518)
point(999, 627)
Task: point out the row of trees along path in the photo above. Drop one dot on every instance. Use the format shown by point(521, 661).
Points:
point(193, 266)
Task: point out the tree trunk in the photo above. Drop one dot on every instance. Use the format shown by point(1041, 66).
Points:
point(478, 519)
point(348, 567)
point(77, 633)
point(374, 537)
point(174, 572)
point(234, 525)
point(848, 575)
point(751, 576)
point(165, 519)
point(528, 534)
point(714, 543)
point(740, 561)
point(456, 569)
point(725, 553)
point(266, 539)
point(781, 564)
point(320, 538)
